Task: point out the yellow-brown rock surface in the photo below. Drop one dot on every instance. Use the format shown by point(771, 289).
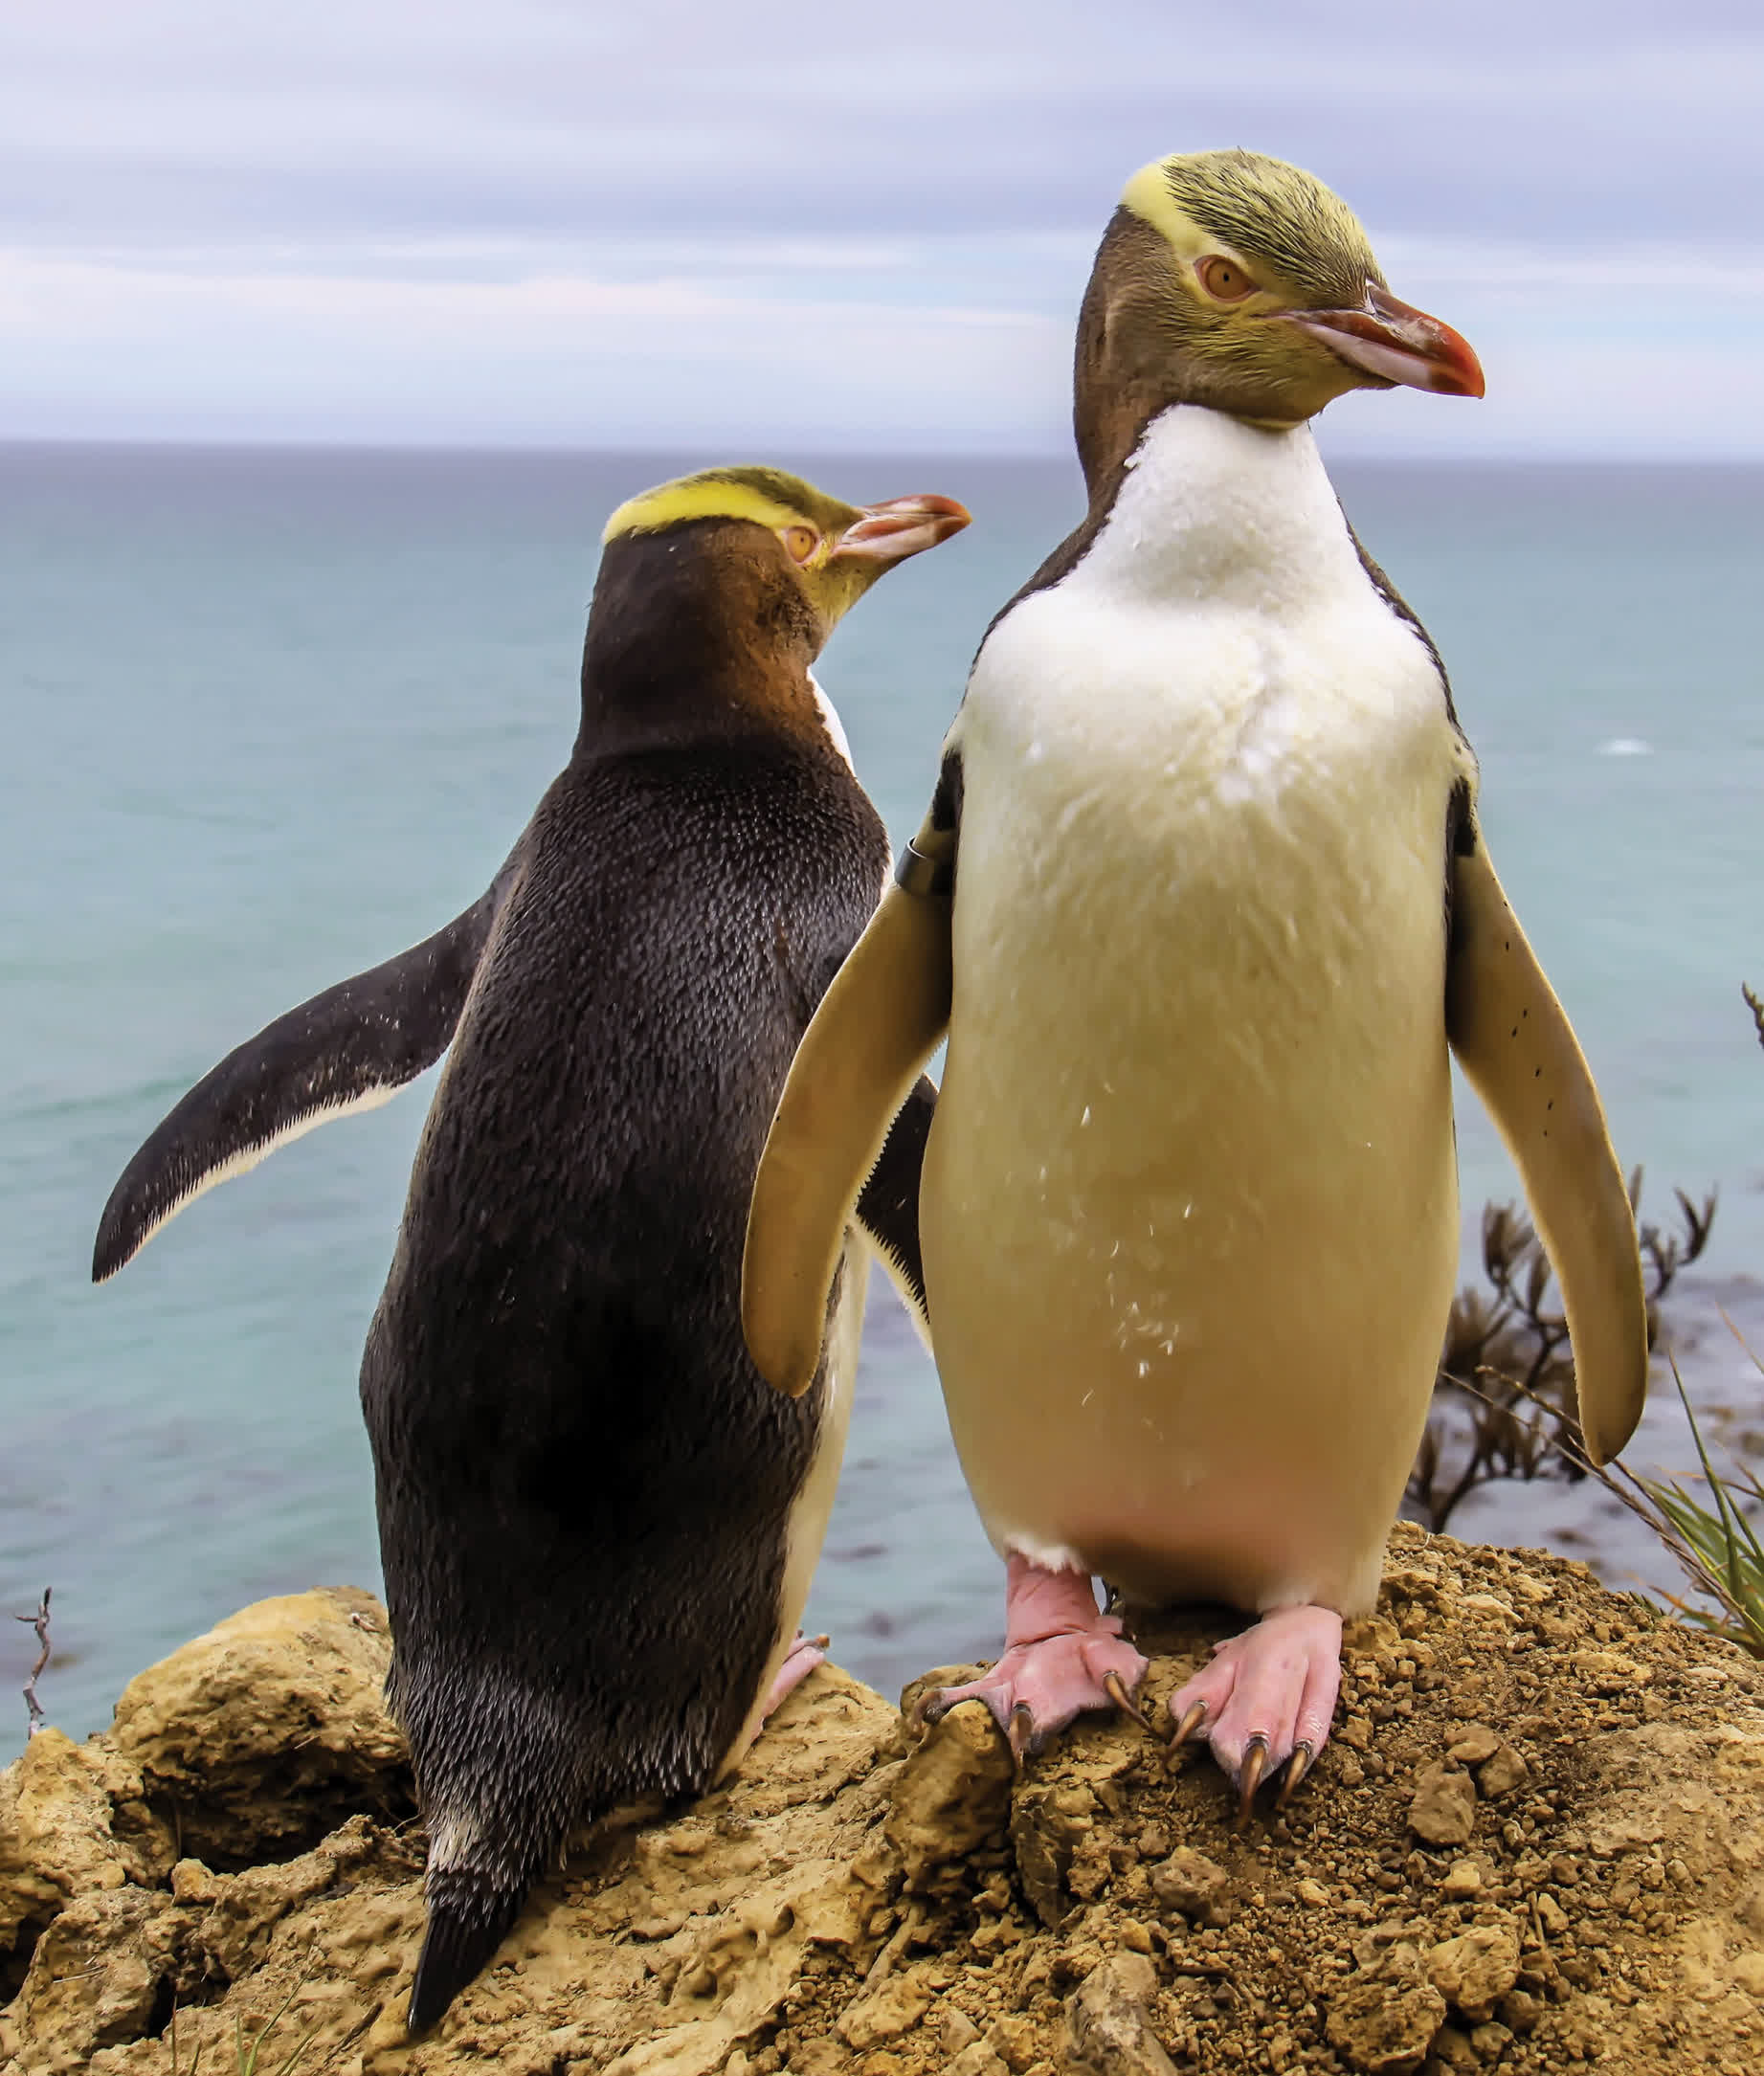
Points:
point(269, 1731)
point(237, 1854)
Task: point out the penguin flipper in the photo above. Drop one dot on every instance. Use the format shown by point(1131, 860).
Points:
point(888, 1203)
point(1519, 1052)
point(877, 1025)
point(351, 1047)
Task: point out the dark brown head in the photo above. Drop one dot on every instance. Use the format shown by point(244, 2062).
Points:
point(1240, 282)
point(725, 586)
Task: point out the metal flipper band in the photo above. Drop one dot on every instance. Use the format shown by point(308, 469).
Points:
point(919, 872)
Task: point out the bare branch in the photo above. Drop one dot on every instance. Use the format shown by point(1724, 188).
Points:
point(1756, 1008)
point(40, 1622)
point(1697, 1221)
point(1504, 1401)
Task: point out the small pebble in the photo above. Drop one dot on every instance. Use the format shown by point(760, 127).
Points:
point(1502, 1773)
point(1444, 1809)
point(957, 2030)
point(1474, 1743)
point(1191, 1883)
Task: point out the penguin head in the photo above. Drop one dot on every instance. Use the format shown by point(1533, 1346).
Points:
point(1237, 281)
point(764, 529)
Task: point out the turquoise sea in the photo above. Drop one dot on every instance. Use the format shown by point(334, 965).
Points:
point(270, 716)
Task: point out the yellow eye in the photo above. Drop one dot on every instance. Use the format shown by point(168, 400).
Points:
point(801, 542)
point(1223, 280)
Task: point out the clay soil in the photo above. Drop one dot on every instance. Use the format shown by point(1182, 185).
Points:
point(1536, 1841)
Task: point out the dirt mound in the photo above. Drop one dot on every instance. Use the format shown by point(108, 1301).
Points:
point(1537, 1840)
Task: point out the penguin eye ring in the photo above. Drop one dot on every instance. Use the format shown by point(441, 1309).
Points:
point(1223, 280)
point(800, 542)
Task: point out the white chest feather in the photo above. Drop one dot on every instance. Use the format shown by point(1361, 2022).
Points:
point(1213, 743)
point(830, 718)
point(1219, 670)
point(835, 736)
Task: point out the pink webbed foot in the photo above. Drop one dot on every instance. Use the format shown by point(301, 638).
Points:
point(805, 1654)
point(1267, 1699)
point(1061, 1657)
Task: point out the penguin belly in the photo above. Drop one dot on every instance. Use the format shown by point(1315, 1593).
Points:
point(1190, 1201)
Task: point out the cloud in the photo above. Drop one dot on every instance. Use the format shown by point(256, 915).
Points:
point(757, 349)
point(376, 117)
point(486, 219)
point(105, 350)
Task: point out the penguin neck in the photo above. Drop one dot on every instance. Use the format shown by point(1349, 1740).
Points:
point(1208, 504)
point(688, 639)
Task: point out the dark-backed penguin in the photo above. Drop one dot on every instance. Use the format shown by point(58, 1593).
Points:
point(597, 1521)
point(1203, 902)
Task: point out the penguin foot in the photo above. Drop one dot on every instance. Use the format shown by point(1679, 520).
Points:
point(1061, 1657)
point(1264, 1703)
point(805, 1654)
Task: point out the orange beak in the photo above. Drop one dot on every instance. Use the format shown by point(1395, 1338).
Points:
point(1397, 342)
point(890, 532)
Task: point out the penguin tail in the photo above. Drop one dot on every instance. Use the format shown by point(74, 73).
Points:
point(469, 1917)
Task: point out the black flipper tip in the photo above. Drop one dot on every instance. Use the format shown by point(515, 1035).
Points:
point(468, 1919)
point(111, 1249)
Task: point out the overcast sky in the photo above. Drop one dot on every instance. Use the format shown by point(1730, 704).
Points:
point(694, 223)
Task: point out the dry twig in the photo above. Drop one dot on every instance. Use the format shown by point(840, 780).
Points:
point(40, 1622)
point(1505, 1403)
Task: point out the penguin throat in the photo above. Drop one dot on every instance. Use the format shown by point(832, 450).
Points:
point(1209, 503)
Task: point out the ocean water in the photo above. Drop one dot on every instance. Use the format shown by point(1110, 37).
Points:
point(272, 716)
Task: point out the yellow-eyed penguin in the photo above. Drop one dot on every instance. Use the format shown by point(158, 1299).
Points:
point(598, 1523)
point(1203, 901)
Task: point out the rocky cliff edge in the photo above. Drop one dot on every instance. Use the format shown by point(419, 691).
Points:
point(1536, 1841)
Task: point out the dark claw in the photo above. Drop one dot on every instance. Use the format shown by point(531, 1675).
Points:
point(1116, 1689)
point(1297, 1767)
point(929, 1708)
point(1255, 1765)
point(1019, 1734)
point(1194, 1722)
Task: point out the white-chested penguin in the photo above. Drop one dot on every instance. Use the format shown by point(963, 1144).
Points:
point(598, 1523)
point(1203, 902)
